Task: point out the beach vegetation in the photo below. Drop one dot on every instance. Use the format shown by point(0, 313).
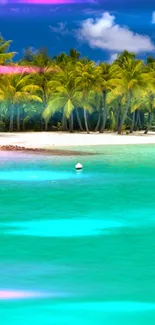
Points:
point(70, 93)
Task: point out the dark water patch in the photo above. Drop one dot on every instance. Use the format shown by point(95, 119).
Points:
point(52, 152)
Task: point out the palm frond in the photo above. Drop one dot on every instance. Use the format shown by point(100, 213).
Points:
point(68, 108)
point(53, 106)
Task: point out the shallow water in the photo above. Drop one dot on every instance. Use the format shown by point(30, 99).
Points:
point(78, 247)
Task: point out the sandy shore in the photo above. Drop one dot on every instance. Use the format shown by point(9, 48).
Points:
point(53, 140)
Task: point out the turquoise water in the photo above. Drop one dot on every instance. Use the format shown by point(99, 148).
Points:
point(78, 247)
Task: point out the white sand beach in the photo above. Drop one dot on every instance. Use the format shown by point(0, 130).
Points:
point(48, 140)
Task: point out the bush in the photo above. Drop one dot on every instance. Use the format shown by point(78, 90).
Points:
point(124, 128)
point(37, 128)
point(2, 126)
point(59, 126)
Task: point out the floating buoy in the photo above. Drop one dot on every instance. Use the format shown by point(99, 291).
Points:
point(78, 166)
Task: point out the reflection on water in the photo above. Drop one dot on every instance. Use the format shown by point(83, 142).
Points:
point(37, 175)
point(10, 295)
point(62, 228)
point(78, 247)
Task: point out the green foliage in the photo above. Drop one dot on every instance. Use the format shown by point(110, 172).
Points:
point(2, 126)
point(107, 94)
point(5, 56)
point(59, 126)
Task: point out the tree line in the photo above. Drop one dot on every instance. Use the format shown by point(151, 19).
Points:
point(68, 93)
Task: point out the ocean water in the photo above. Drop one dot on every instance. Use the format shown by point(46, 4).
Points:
point(78, 247)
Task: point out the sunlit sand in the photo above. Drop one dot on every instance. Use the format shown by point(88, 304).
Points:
point(49, 140)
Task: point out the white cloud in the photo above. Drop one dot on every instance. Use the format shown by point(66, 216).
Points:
point(97, 62)
point(113, 57)
point(105, 34)
point(153, 17)
point(61, 29)
point(32, 49)
point(92, 12)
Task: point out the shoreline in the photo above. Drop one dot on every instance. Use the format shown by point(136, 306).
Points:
point(61, 143)
point(47, 152)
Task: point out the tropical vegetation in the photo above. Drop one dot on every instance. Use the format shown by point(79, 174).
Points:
point(71, 93)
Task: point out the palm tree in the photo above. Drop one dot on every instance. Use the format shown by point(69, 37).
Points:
point(115, 100)
point(117, 94)
point(98, 99)
point(122, 57)
point(47, 69)
point(86, 81)
point(108, 77)
point(5, 56)
point(74, 55)
point(150, 60)
point(61, 60)
point(146, 100)
point(65, 96)
point(133, 79)
point(16, 90)
point(150, 94)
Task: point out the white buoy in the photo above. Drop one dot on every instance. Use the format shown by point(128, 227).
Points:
point(78, 166)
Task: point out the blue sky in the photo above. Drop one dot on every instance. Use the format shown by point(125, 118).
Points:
point(98, 29)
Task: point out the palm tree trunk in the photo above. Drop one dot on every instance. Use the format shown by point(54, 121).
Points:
point(41, 123)
point(139, 123)
point(23, 125)
point(64, 126)
point(79, 121)
point(125, 114)
point(133, 122)
point(45, 103)
point(118, 117)
point(142, 118)
point(23, 119)
point(98, 123)
point(11, 118)
point(104, 113)
point(149, 122)
point(18, 118)
point(86, 121)
point(46, 125)
point(71, 123)
point(136, 119)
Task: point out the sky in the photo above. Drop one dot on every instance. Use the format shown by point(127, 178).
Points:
point(98, 29)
